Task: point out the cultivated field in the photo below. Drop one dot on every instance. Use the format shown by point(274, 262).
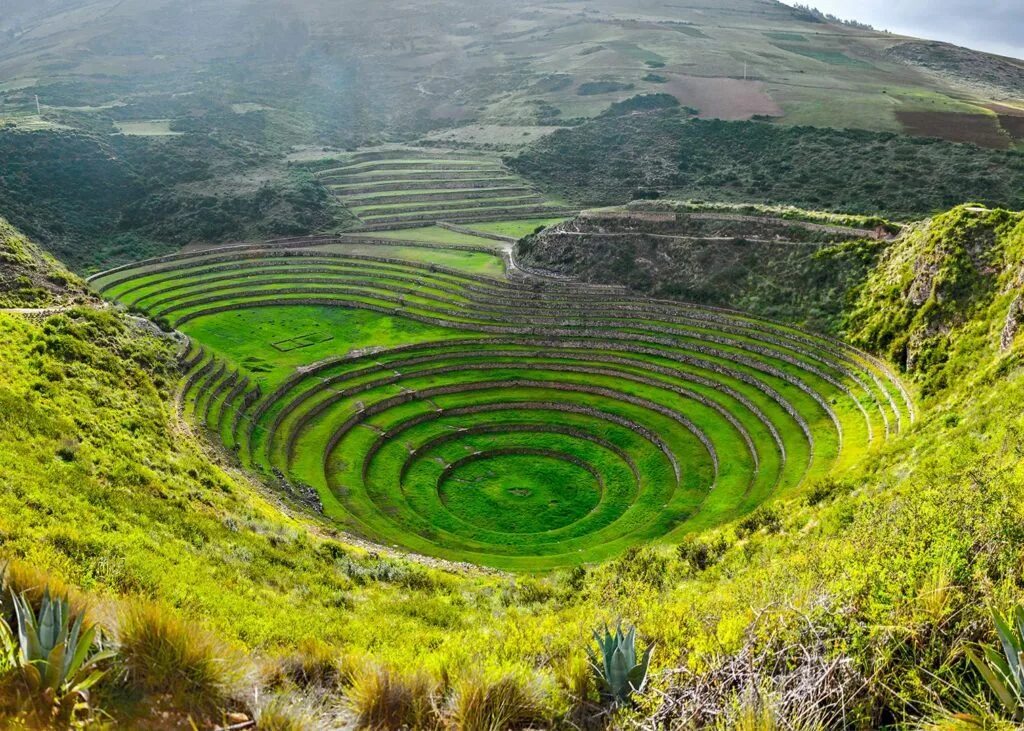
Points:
point(400, 187)
point(432, 402)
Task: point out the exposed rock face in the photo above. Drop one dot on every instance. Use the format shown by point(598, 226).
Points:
point(1014, 318)
point(923, 284)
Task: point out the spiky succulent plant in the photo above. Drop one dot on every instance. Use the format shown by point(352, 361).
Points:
point(1004, 671)
point(53, 653)
point(618, 672)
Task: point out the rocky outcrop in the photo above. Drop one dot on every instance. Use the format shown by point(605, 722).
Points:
point(1014, 318)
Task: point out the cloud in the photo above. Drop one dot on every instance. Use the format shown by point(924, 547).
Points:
point(994, 25)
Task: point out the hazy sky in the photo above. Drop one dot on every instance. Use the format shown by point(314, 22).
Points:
point(988, 25)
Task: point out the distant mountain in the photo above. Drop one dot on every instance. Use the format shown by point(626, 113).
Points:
point(353, 71)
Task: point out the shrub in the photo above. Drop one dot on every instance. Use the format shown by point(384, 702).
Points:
point(527, 591)
point(701, 553)
point(163, 655)
point(383, 700)
point(313, 665)
point(25, 581)
point(644, 565)
point(766, 517)
point(825, 489)
point(509, 702)
point(575, 678)
point(278, 713)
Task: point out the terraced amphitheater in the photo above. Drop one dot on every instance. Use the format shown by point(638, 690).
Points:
point(434, 401)
point(407, 186)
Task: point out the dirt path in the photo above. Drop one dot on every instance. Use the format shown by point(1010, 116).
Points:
point(675, 237)
point(37, 310)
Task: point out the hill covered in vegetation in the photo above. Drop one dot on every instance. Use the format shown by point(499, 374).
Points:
point(202, 118)
point(328, 443)
point(854, 600)
point(94, 198)
point(615, 159)
point(29, 278)
point(783, 263)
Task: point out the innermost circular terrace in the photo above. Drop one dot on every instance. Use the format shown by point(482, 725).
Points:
point(523, 492)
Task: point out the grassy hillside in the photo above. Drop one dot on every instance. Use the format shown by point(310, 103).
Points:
point(612, 160)
point(946, 299)
point(854, 601)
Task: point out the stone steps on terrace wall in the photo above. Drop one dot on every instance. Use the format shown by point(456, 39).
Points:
point(438, 208)
point(413, 175)
point(399, 186)
point(456, 195)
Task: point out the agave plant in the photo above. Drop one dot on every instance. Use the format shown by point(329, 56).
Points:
point(53, 653)
point(1004, 672)
point(619, 675)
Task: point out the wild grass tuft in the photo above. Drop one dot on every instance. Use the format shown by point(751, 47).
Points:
point(314, 664)
point(285, 713)
point(29, 582)
point(384, 700)
point(165, 656)
point(510, 702)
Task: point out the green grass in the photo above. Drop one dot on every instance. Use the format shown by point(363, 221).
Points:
point(454, 192)
point(504, 448)
point(436, 235)
point(245, 337)
point(825, 55)
point(519, 493)
point(516, 229)
point(432, 206)
point(103, 488)
point(147, 128)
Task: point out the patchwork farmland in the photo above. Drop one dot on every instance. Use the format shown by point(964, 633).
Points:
point(431, 397)
point(399, 187)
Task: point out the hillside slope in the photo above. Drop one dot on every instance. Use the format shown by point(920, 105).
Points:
point(851, 602)
point(946, 298)
point(31, 279)
point(91, 198)
point(614, 159)
point(799, 269)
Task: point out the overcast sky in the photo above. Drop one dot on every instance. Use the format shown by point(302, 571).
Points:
point(988, 25)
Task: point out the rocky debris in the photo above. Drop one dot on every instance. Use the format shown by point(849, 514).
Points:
point(1014, 318)
point(300, 491)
